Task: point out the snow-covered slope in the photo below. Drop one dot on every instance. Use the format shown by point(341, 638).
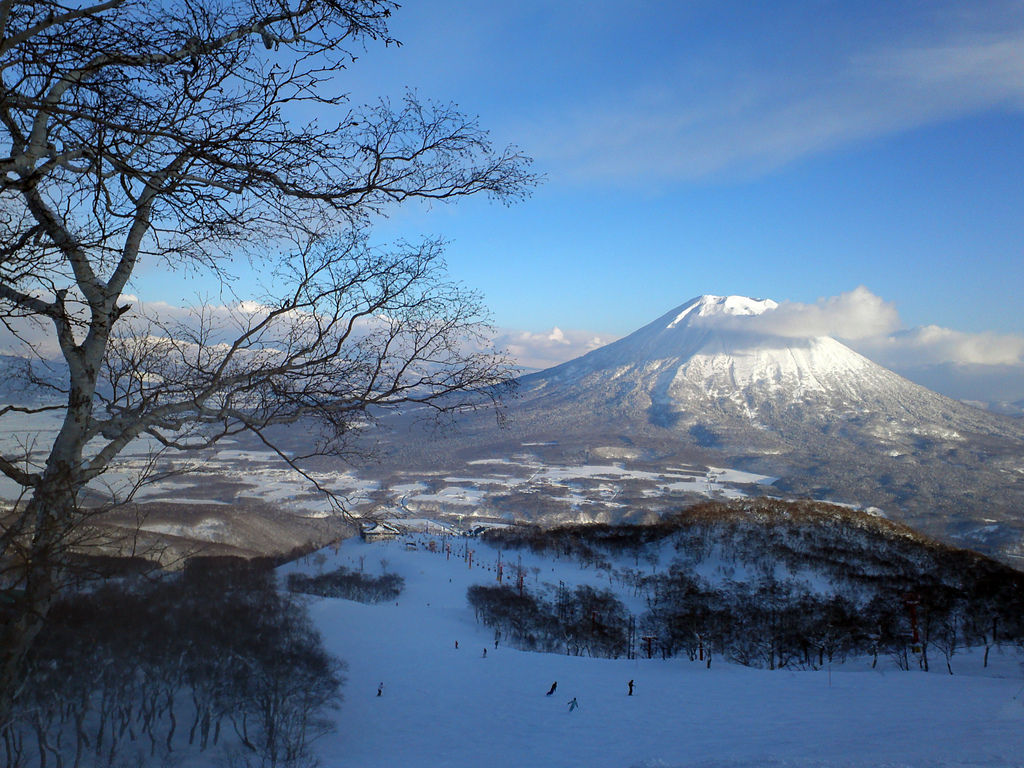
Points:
point(448, 706)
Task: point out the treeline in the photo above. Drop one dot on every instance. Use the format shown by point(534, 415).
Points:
point(134, 672)
point(349, 585)
point(776, 623)
point(800, 534)
point(580, 621)
point(875, 583)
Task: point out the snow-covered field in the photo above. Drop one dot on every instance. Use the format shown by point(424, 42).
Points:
point(261, 475)
point(448, 706)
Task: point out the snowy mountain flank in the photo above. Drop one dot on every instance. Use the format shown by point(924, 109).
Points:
point(723, 381)
point(713, 359)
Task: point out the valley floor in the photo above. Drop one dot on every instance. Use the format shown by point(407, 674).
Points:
point(443, 706)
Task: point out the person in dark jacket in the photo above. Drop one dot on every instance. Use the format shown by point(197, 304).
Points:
point(553, 686)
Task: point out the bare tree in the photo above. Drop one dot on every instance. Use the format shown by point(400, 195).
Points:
point(170, 132)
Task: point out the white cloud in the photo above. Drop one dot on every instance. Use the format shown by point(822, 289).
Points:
point(978, 367)
point(536, 351)
point(931, 345)
point(856, 314)
point(216, 324)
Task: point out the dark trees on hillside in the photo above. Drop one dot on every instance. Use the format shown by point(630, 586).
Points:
point(348, 585)
point(759, 608)
point(581, 621)
point(524, 620)
point(133, 670)
point(682, 608)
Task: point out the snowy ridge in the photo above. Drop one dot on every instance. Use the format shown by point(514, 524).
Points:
point(711, 306)
point(817, 365)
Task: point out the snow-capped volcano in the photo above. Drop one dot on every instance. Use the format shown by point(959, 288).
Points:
point(702, 323)
point(725, 353)
point(727, 378)
point(729, 381)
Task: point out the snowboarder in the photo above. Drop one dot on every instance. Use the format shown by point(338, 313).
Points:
point(573, 704)
point(630, 687)
point(553, 686)
point(380, 689)
point(456, 645)
point(485, 653)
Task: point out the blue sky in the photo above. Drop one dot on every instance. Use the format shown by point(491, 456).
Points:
point(794, 150)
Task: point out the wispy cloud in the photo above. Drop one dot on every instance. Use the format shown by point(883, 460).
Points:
point(856, 314)
point(746, 122)
point(982, 367)
point(931, 345)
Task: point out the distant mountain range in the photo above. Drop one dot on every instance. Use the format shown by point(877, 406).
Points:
point(715, 381)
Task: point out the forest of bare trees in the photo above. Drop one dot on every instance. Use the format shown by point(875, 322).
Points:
point(215, 659)
point(888, 591)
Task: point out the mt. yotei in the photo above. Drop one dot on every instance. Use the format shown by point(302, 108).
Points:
point(720, 355)
point(724, 382)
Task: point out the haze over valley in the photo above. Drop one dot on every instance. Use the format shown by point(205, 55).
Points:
point(708, 401)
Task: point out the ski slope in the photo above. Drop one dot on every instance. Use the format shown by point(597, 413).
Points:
point(443, 706)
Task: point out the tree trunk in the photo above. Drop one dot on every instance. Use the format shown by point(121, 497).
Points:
point(39, 578)
point(28, 617)
point(38, 555)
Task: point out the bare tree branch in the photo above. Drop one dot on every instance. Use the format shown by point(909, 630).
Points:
point(157, 132)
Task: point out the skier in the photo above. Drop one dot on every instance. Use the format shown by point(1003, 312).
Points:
point(553, 686)
point(456, 645)
point(485, 653)
point(630, 687)
point(573, 704)
point(380, 689)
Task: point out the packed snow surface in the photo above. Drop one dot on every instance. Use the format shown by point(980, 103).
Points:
point(443, 706)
